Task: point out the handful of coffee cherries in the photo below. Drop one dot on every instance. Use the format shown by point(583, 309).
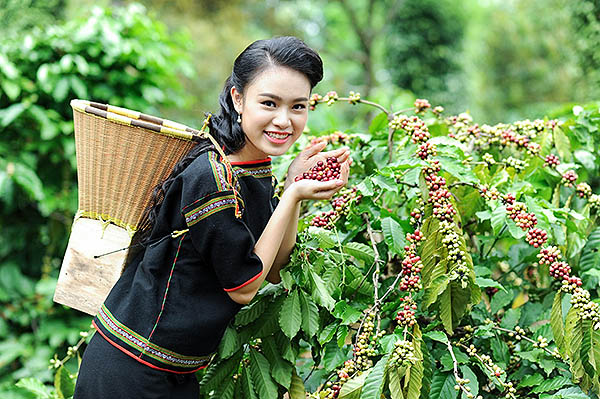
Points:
point(322, 171)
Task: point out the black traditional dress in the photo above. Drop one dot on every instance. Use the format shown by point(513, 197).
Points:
point(167, 313)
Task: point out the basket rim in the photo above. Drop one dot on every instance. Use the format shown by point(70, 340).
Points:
point(128, 117)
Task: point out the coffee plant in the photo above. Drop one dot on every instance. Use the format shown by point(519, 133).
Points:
point(461, 261)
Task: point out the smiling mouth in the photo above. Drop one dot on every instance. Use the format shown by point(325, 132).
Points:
point(278, 135)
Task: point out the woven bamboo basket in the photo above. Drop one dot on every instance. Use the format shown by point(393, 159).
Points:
point(121, 156)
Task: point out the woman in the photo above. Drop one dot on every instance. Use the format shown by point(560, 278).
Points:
point(215, 232)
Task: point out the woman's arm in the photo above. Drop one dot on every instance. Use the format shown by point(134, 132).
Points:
point(306, 159)
point(270, 242)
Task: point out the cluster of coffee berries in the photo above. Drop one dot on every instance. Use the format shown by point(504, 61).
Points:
point(551, 160)
point(426, 150)
point(488, 159)
point(413, 125)
point(542, 342)
point(588, 310)
point(439, 196)
point(354, 98)
point(459, 126)
point(461, 383)
point(569, 178)
point(509, 137)
point(330, 98)
point(314, 100)
point(331, 392)
point(411, 269)
point(594, 202)
point(583, 190)
point(403, 354)
point(489, 194)
point(416, 237)
point(416, 215)
point(530, 128)
point(508, 199)
point(334, 138)
point(518, 164)
point(560, 270)
point(536, 237)
point(534, 149)
point(405, 316)
point(549, 255)
point(421, 105)
point(366, 342)
point(437, 111)
point(340, 205)
point(322, 171)
point(523, 219)
point(324, 219)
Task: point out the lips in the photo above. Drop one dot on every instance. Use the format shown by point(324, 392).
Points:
point(277, 137)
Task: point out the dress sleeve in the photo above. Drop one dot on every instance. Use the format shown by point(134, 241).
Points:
point(223, 240)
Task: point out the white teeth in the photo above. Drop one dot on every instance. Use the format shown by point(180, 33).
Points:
point(277, 135)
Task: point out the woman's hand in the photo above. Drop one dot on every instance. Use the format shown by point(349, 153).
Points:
point(309, 158)
point(320, 190)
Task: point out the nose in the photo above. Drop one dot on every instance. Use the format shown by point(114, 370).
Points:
point(282, 119)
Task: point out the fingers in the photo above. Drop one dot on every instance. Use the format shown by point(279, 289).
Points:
point(313, 149)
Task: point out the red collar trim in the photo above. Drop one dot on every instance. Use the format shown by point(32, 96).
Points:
point(240, 163)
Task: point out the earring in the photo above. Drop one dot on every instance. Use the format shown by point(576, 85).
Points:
point(239, 119)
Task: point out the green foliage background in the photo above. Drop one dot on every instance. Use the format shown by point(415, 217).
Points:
point(506, 61)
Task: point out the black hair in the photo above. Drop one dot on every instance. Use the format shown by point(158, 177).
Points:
point(286, 51)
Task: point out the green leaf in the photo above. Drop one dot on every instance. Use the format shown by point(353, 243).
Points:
point(447, 391)
point(360, 251)
point(281, 370)
point(229, 343)
point(563, 145)
point(64, 384)
point(551, 384)
point(250, 313)
point(472, 377)
point(8, 115)
point(310, 315)
point(353, 387)
point(320, 293)
point(61, 89)
point(247, 384)
point(511, 318)
point(415, 378)
point(556, 322)
point(379, 123)
point(500, 300)
point(437, 383)
point(488, 282)
point(573, 339)
point(395, 383)
point(29, 181)
point(290, 316)
point(437, 336)
point(393, 235)
point(297, 390)
point(531, 380)
point(375, 381)
point(36, 387)
point(445, 304)
point(325, 237)
point(437, 286)
point(261, 376)
point(219, 371)
point(498, 218)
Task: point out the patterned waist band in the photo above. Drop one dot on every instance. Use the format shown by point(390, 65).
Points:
point(142, 349)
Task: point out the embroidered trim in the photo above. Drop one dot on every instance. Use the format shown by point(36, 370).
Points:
point(141, 360)
point(252, 162)
point(218, 171)
point(136, 341)
point(258, 172)
point(210, 207)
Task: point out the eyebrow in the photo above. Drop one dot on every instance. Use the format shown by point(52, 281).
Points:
point(275, 97)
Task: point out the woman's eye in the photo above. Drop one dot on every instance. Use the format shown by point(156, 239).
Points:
point(299, 106)
point(268, 103)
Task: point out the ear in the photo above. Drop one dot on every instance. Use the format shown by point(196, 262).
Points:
point(237, 98)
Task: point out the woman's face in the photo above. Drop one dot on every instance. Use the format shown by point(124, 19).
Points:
point(274, 110)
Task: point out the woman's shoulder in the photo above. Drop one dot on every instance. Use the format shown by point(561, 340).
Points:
point(205, 175)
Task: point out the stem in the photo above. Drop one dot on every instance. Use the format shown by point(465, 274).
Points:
point(455, 366)
point(376, 262)
point(506, 330)
point(495, 241)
